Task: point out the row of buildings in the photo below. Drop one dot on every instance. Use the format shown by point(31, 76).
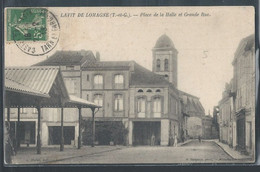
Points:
point(236, 109)
point(148, 103)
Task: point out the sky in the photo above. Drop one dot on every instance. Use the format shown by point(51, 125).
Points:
point(205, 44)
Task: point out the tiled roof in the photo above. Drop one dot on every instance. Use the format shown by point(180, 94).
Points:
point(143, 76)
point(107, 64)
point(15, 87)
point(187, 94)
point(199, 105)
point(246, 44)
point(139, 76)
point(192, 104)
point(36, 80)
point(69, 58)
point(164, 42)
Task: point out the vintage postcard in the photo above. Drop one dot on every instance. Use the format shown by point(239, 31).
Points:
point(129, 85)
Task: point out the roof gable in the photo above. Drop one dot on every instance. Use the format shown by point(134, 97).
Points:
point(192, 105)
point(61, 58)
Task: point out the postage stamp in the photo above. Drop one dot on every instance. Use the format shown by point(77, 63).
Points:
point(26, 24)
point(35, 31)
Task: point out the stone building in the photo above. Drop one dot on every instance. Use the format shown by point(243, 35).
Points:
point(226, 117)
point(192, 114)
point(209, 127)
point(147, 103)
point(244, 90)
point(238, 104)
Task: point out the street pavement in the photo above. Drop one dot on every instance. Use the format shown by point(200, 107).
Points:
point(191, 152)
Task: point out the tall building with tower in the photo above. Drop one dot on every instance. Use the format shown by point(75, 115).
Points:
point(165, 59)
point(147, 103)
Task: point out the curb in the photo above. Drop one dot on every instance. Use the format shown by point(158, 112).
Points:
point(229, 153)
point(184, 143)
point(224, 150)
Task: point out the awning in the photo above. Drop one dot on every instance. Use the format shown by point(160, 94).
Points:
point(75, 101)
point(39, 86)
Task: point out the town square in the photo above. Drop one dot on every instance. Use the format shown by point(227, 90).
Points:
point(135, 89)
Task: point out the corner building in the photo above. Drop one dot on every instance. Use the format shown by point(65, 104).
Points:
point(148, 103)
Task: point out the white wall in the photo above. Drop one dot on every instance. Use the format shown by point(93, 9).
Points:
point(165, 123)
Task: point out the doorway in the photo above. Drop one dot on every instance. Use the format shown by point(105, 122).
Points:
point(55, 135)
point(25, 131)
point(241, 141)
point(143, 132)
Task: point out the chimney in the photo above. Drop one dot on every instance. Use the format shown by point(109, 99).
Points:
point(97, 56)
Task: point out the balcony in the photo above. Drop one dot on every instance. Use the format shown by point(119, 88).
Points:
point(149, 115)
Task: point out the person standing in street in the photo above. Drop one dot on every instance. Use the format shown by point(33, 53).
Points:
point(152, 140)
point(199, 139)
point(171, 141)
point(175, 141)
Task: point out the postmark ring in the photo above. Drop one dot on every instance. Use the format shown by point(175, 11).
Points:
point(40, 38)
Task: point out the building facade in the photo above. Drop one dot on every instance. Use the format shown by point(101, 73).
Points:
point(240, 98)
point(244, 88)
point(192, 114)
point(148, 103)
point(208, 128)
point(226, 117)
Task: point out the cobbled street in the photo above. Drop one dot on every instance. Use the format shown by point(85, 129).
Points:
point(192, 152)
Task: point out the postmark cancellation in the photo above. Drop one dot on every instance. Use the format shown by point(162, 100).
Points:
point(35, 31)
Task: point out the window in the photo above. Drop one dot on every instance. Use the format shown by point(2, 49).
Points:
point(158, 65)
point(35, 110)
point(149, 91)
point(141, 107)
point(140, 91)
point(23, 110)
point(87, 97)
point(166, 65)
point(118, 102)
point(158, 91)
point(87, 77)
point(119, 81)
point(157, 107)
point(98, 99)
point(166, 77)
point(98, 81)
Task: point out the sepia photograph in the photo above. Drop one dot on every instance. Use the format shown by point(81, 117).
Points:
point(129, 85)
